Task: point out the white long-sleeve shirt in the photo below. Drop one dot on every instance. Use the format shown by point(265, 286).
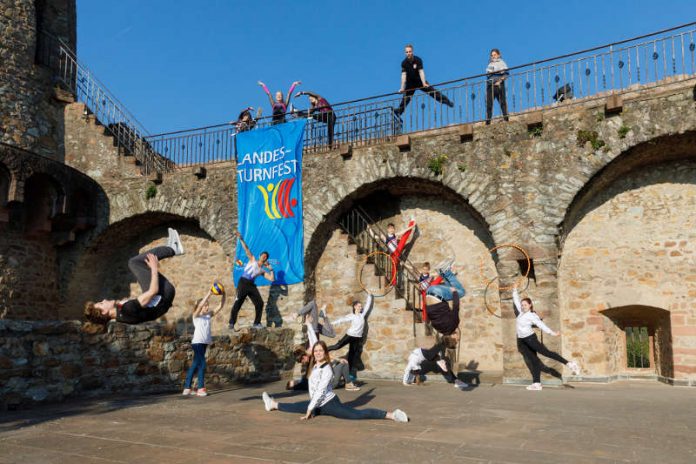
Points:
point(320, 389)
point(311, 335)
point(357, 321)
point(525, 320)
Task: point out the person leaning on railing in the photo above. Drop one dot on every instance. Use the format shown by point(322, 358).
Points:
point(495, 84)
point(321, 110)
point(246, 121)
point(413, 78)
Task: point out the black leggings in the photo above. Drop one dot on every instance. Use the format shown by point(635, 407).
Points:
point(354, 350)
point(247, 288)
point(336, 409)
point(495, 92)
point(430, 90)
point(529, 347)
point(143, 274)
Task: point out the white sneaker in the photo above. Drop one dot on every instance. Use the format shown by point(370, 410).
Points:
point(201, 392)
point(534, 386)
point(187, 392)
point(400, 416)
point(574, 368)
point(409, 379)
point(267, 401)
point(445, 265)
point(257, 326)
point(459, 384)
point(175, 242)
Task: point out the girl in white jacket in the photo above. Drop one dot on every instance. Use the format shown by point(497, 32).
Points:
point(322, 399)
point(529, 345)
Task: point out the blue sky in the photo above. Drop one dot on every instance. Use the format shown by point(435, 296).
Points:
point(179, 64)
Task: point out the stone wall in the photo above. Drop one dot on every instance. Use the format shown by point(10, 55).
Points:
point(30, 115)
point(44, 361)
point(635, 246)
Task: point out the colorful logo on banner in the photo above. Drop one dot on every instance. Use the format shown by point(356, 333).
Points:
point(277, 198)
point(269, 200)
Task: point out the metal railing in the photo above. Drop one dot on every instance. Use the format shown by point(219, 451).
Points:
point(362, 230)
point(650, 59)
point(127, 131)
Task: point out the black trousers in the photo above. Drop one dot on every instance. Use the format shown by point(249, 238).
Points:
point(328, 118)
point(430, 90)
point(495, 92)
point(247, 288)
point(143, 274)
point(530, 347)
point(354, 350)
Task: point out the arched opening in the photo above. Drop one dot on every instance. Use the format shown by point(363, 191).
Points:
point(82, 210)
point(641, 337)
point(43, 200)
point(628, 243)
point(5, 180)
point(102, 270)
point(448, 227)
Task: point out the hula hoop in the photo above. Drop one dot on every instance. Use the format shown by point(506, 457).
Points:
point(495, 248)
point(485, 296)
point(390, 284)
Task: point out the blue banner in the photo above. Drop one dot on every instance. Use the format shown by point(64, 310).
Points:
point(269, 200)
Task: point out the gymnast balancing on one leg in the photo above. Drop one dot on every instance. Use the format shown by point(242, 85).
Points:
point(322, 399)
point(529, 345)
point(158, 293)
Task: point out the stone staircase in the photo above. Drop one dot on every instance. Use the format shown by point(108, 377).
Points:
point(91, 148)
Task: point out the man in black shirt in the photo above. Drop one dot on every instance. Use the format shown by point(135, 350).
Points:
point(413, 78)
point(158, 293)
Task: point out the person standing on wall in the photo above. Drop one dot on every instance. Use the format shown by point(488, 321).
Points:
point(495, 84)
point(246, 286)
point(413, 78)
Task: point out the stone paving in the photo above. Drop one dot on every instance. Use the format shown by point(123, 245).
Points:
point(635, 422)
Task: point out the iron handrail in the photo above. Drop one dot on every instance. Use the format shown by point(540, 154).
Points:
point(542, 83)
point(406, 283)
point(127, 131)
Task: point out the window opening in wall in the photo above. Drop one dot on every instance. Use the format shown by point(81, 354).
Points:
point(637, 347)
point(522, 263)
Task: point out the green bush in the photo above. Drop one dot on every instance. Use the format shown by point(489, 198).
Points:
point(585, 136)
point(623, 130)
point(437, 164)
point(151, 192)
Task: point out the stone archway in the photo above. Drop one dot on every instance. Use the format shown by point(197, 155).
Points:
point(628, 242)
point(448, 225)
point(102, 271)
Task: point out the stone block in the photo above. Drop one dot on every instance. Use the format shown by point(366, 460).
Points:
point(403, 142)
point(346, 151)
point(466, 133)
point(614, 104)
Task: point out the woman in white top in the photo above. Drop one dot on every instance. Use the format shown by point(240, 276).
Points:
point(322, 399)
point(529, 345)
point(495, 84)
point(200, 341)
